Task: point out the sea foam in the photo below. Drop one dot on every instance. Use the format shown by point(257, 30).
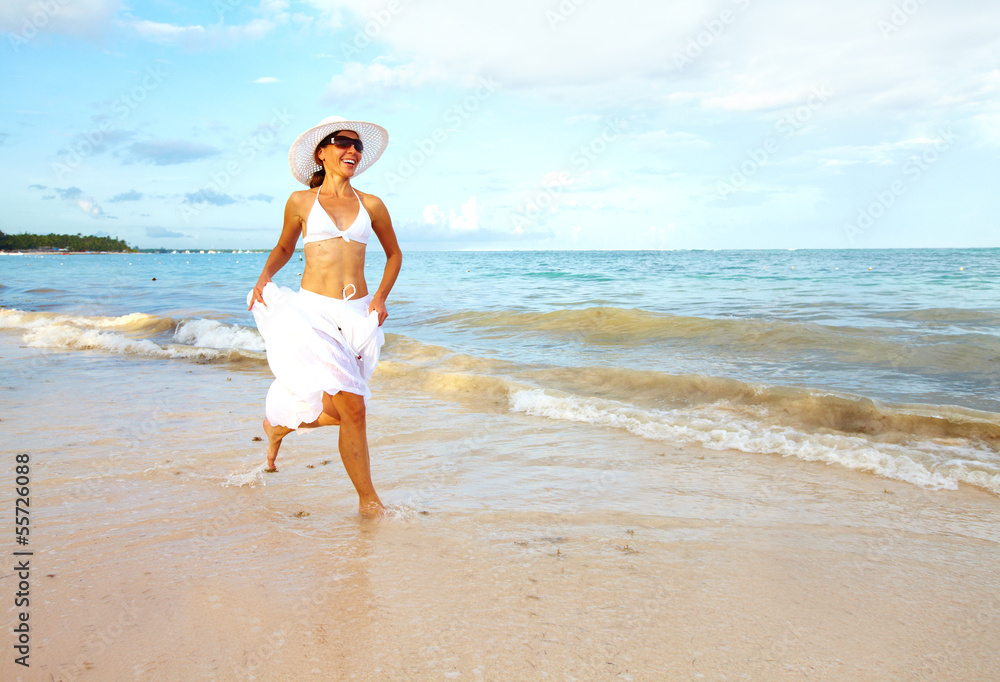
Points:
point(202, 340)
point(722, 426)
point(214, 334)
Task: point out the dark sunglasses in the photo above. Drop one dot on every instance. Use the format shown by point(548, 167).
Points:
point(343, 142)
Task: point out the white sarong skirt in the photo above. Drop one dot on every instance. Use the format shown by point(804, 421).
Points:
point(315, 345)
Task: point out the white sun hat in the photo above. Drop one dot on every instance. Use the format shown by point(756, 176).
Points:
point(374, 139)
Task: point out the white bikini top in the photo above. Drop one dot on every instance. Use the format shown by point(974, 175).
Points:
point(320, 226)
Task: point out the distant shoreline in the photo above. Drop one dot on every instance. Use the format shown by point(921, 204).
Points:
point(299, 250)
point(49, 252)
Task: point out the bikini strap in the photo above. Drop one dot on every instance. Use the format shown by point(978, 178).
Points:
point(361, 206)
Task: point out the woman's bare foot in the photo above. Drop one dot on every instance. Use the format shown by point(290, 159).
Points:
point(274, 436)
point(371, 509)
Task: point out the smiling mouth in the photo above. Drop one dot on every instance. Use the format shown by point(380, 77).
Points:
point(350, 162)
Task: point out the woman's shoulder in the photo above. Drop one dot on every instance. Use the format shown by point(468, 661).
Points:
point(370, 201)
point(301, 196)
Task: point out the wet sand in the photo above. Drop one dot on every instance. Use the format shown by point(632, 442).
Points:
point(518, 547)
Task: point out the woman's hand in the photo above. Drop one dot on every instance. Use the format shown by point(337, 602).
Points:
point(258, 294)
point(378, 305)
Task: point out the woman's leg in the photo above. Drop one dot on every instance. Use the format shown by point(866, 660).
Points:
point(274, 436)
point(354, 450)
point(328, 417)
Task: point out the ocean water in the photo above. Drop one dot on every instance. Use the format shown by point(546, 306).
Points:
point(886, 362)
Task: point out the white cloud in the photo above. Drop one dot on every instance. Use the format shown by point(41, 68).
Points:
point(166, 33)
point(882, 154)
point(252, 30)
point(266, 79)
point(85, 18)
point(765, 56)
point(661, 140)
point(465, 221)
point(75, 196)
point(330, 11)
point(840, 162)
point(89, 207)
point(514, 43)
point(581, 118)
point(361, 79)
point(751, 101)
point(433, 215)
point(272, 14)
point(557, 179)
point(197, 36)
point(272, 7)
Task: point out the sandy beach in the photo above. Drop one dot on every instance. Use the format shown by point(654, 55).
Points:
point(670, 563)
point(691, 322)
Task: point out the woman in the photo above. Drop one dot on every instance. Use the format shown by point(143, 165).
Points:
point(323, 340)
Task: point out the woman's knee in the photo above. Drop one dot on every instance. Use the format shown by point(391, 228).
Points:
point(351, 407)
point(329, 407)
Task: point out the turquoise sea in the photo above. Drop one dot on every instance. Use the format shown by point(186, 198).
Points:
point(884, 361)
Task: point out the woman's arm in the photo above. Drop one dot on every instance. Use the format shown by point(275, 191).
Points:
point(382, 226)
point(282, 252)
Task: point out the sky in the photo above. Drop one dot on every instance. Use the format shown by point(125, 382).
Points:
point(547, 124)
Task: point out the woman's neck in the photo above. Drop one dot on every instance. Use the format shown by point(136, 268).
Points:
point(338, 186)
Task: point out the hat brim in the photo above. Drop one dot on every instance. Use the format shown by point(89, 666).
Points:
point(301, 157)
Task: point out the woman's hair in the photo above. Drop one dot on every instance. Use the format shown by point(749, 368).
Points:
point(317, 178)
